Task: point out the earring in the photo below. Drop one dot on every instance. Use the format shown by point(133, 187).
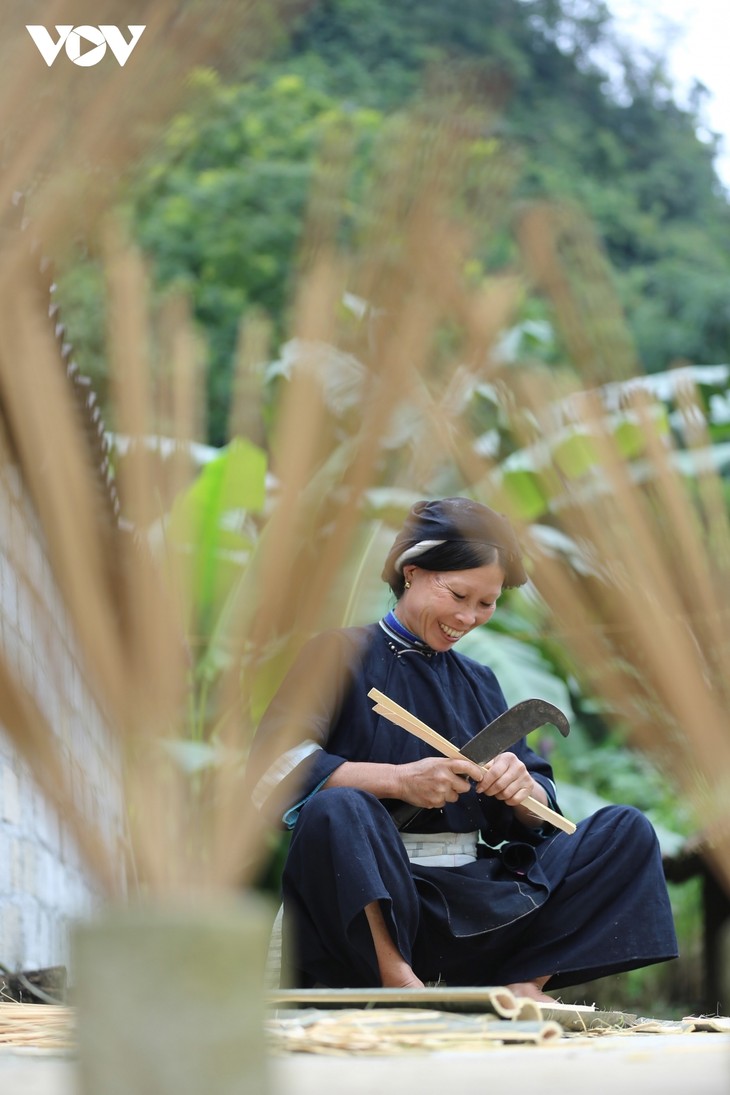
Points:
point(408, 585)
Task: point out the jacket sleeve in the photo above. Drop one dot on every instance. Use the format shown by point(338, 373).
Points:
point(289, 760)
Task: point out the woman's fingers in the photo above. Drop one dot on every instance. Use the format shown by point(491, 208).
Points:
point(432, 782)
point(506, 778)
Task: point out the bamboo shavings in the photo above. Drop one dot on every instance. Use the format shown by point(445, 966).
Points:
point(44, 1026)
point(620, 1024)
point(691, 1024)
point(388, 1032)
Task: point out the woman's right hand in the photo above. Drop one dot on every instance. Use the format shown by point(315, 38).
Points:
point(432, 782)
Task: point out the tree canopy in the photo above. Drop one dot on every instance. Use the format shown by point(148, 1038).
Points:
point(221, 206)
point(618, 144)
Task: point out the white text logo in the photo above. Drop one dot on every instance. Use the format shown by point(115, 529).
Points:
point(85, 45)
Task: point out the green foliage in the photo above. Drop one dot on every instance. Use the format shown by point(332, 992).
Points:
point(529, 482)
point(614, 773)
point(210, 537)
point(208, 527)
point(221, 206)
point(621, 149)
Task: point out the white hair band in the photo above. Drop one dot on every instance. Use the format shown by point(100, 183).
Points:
point(413, 552)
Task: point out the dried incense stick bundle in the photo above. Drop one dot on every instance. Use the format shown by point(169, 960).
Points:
point(639, 600)
point(129, 619)
point(652, 644)
point(398, 715)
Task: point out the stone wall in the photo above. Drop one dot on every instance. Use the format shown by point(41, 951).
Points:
point(44, 884)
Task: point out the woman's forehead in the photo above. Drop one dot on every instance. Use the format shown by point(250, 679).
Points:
point(485, 578)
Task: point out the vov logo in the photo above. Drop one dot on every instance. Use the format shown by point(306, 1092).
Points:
point(85, 46)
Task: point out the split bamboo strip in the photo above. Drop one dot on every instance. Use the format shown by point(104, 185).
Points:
point(497, 999)
point(430, 737)
point(387, 706)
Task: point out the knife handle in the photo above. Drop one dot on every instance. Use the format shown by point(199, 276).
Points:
point(404, 814)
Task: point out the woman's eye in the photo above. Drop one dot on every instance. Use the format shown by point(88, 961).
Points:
point(458, 596)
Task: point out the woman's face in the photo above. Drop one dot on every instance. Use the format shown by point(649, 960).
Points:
point(440, 607)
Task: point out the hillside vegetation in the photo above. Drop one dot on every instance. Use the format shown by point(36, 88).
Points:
point(557, 109)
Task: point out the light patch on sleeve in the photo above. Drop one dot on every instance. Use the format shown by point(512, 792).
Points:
point(282, 767)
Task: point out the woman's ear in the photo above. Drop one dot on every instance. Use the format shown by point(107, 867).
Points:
point(408, 575)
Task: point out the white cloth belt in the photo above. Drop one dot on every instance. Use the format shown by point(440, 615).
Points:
point(440, 849)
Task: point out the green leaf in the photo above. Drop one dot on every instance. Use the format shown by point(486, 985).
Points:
point(575, 455)
point(520, 495)
point(203, 519)
point(630, 439)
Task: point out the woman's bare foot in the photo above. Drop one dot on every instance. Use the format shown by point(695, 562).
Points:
point(532, 990)
point(395, 973)
point(407, 981)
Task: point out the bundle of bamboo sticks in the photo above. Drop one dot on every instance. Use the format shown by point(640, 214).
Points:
point(644, 618)
point(124, 602)
point(648, 629)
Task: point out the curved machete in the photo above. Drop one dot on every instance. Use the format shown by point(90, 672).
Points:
point(504, 731)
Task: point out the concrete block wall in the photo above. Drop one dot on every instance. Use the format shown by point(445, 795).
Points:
point(44, 884)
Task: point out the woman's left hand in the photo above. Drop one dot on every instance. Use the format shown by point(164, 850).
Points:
point(507, 779)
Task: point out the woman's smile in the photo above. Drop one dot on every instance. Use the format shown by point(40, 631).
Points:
point(442, 607)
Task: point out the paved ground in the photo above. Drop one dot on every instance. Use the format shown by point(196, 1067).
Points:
point(637, 1064)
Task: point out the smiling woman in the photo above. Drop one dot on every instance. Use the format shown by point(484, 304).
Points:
point(478, 890)
point(448, 567)
point(442, 608)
